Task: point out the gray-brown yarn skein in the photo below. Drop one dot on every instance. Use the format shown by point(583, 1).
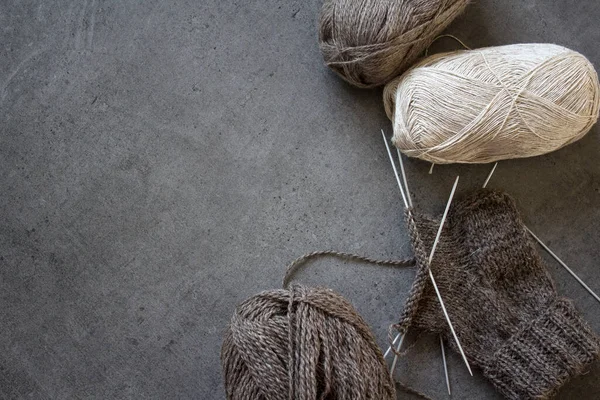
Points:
point(302, 344)
point(509, 319)
point(370, 42)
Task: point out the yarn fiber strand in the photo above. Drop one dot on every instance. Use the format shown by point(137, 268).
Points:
point(485, 105)
point(369, 42)
point(302, 344)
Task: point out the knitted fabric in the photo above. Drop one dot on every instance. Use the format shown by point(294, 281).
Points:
point(502, 302)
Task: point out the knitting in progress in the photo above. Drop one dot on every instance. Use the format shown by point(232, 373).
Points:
point(482, 286)
point(490, 104)
point(368, 43)
point(302, 344)
point(526, 339)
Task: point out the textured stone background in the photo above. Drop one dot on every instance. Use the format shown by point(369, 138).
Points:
point(161, 161)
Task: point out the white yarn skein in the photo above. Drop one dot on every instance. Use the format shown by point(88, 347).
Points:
point(495, 103)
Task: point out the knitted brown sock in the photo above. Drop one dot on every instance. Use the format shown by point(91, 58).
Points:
point(508, 317)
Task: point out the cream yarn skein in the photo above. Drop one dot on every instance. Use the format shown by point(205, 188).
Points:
point(370, 42)
point(495, 103)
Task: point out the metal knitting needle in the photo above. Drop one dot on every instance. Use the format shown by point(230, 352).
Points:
point(395, 170)
point(406, 204)
point(445, 365)
point(393, 343)
point(395, 362)
point(573, 274)
point(437, 291)
point(405, 181)
point(410, 203)
point(490, 175)
point(569, 270)
point(441, 339)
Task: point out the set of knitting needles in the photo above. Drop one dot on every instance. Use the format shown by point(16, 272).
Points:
point(407, 200)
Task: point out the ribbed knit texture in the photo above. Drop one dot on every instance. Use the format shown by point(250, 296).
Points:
point(502, 302)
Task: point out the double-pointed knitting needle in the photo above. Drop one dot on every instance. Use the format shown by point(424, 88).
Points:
point(406, 204)
point(409, 198)
point(393, 343)
point(410, 203)
point(431, 277)
point(573, 274)
point(387, 146)
point(445, 365)
point(393, 367)
point(569, 270)
point(487, 180)
point(437, 291)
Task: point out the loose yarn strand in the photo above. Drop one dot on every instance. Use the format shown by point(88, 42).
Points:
point(447, 35)
point(292, 268)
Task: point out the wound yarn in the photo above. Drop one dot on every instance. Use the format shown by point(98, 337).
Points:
point(370, 42)
point(495, 103)
point(302, 344)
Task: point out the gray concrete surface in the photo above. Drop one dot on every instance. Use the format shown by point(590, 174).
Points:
point(162, 161)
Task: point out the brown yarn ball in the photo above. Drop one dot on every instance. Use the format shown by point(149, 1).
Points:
point(370, 42)
point(302, 344)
